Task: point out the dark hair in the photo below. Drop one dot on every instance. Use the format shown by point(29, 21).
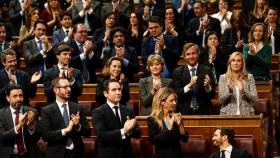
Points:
point(175, 12)
point(265, 34)
point(115, 30)
point(202, 3)
point(209, 34)
point(30, 13)
point(106, 68)
point(6, 52)
point(228, 132)
point(63, 48)
point(107, 82)
point(139, 18)
point(155, 19)
point(107, 15)
point(65, 14)
point(75, 27)
point(2, 24)
point(12, 87)
point(39, 21)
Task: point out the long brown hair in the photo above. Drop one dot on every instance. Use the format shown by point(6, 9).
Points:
point(264, 37)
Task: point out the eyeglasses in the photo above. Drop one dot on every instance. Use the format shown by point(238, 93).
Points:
point(64, 87)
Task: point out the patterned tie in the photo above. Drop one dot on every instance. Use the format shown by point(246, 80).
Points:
point(118, 116)
point(85, 72)
point(19, 137)
point(194, 104)
point(66, 121)
point(41, 66)
point(223, 154)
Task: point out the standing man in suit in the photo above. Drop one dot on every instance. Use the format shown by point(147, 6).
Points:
point(193, 83)
point(63, 123)
point(151, 8)
point(87, 12)
point(10, 75)
point(200, 25)
point(63, 54)
point(224, 139)
point(18, 127)
point(38, 54)
point(114, 124)
point(127, 54)
point(164, 45)
point(65, 32)
point(83, 57)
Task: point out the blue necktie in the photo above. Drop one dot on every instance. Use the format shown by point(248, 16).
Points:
point(85, 72)
point(194, 104)
point(66, 121)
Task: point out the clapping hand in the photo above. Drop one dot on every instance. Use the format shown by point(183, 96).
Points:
point(129, 124)
point(36, 77)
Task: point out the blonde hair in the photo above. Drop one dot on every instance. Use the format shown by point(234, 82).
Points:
point(243, 71)
point(152, 58)
point(106, 68)
point(188, 46)
point(161, 95)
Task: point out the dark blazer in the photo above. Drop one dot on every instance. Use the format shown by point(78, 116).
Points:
point(193, 25)
point(235, 153)
point(51, 125)
point(16, 18)
point(76, 90)
point(219, 64)
point(93, 18)
point(29, 90)
point(33, 58)
point(101, 99)
point(167, 142)
point(8, 135)
point(145, 87)
point(58, 36)
point(131, 55)
point(111, 144)
point(170, 54)
point(181, 77)
point(77, 63)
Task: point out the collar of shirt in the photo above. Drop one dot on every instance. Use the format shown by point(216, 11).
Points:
point(64, 29)
point(36, 39)
point(189, 67)
point(80, 44)
point(228, 151)
point(258, 46)
point(59, 103)
point(112, 105)
point(119, 47)
point(13, 110)
point(205, 17)
point(116, 3)
point(60, 66)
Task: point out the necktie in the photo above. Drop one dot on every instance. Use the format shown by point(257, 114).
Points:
point(66, 121)
point(41, 66)
point(67, 31)
point(64, 72)
point(1, 47)
point(118, 116)
point(223, 154)
point(40, 46)
point(194, 104)
point(85, 72)
point(19, 137)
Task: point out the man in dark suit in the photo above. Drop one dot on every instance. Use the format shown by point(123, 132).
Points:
point(224, 139)
point(193, 83)
point(127, 54)
point(63, 54)
point(18, 127)
point(87, 12)
point(114, 124)
point(10, 75)
point(65, 32)
point(38, 52)
point(63, 123)
point(151, 8)
point(83, 57)
point(201, 24)
point(164, 45)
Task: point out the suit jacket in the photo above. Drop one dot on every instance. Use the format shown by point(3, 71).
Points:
point(58, 36)
point(235, 153)
point(33, 58)
point(229, 100)
point(77, 63)
point(101, 99)
point(93, 18)
point(167, 142)
point(52, 123)
point(130, 55)
point(29, 90)
point(181, 77)
point(170, 54)
point(16, 17)
point(76, 90)
point(108, 132)
point(8, 135)
point(123, 15)
point(145, 87)
point(193, 25)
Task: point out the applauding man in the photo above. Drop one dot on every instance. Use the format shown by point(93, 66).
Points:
point(114, 124)
point(63, 123)
point(18, 126)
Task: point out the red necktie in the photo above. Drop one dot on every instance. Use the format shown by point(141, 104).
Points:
point(19, 137)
